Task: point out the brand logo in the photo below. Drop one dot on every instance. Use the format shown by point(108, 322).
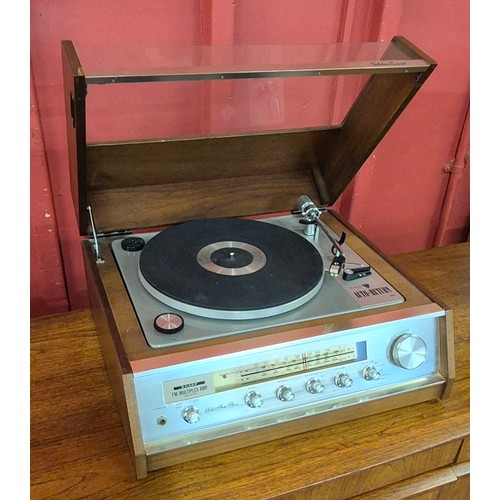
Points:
point(388, 63)
point(220, 407)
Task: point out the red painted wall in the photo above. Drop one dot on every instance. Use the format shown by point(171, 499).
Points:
point(97, 23)
point(397, 197)
point(48, 289)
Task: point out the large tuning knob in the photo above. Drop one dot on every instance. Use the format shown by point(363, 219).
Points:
point(409, 351)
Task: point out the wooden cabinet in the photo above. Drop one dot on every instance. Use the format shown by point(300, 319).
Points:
point(140, 184)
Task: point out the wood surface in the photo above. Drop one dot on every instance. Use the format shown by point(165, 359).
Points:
point(75, 92)
point(149, 206)
point(138, 164)
point(201, 177)
point(79, 448)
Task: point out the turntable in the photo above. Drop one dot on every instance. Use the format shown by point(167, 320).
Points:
point(234, 305)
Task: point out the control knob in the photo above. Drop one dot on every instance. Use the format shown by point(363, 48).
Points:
point(168, 323)
point(342, 380)
point(254, 399)
point(285, 393)
point(133, 244)
point(409, 351)
point(191, 415)
point(314, 386)
point(370, 373)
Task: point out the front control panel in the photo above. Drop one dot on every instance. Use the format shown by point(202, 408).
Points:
point(195, 401)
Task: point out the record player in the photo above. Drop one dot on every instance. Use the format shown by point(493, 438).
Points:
point(233, 304)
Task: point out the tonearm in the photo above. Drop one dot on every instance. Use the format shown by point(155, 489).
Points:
point(312, 221)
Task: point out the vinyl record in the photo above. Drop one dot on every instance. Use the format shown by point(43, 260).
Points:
point(231, 268)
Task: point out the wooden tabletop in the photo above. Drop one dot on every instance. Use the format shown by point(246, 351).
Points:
point(78, 446)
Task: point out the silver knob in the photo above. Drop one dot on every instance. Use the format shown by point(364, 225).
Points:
point(409, 351)
point(370, 373)
point(343, 380)
point(191, 415)
point(254, 399)
point(314, 386)
point(285, 393)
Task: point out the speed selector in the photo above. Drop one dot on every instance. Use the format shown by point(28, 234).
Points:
point(409, 351)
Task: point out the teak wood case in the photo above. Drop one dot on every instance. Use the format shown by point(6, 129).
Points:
point(195, 178)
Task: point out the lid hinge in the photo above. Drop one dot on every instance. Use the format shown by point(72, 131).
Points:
point(98, 258)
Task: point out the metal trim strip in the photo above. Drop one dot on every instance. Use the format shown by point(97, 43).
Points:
point(288, 415)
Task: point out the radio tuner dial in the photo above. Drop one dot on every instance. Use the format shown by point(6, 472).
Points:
point(409, 351)
point(342, 380)
point(285, 393)
point(314, 386)
point(191, 415)
point(254, 399)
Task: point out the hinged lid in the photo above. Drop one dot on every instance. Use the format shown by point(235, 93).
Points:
point(252, 167)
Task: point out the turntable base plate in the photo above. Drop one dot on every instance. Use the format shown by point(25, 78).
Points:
point(335, 296)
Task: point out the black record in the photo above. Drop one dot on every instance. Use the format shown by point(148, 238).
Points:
point(230, 265)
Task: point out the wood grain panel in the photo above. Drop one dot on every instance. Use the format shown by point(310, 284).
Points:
point(464, 454)
point(382, 101)
point(200, 159)
point(344, 487)
point(75, 91)
point(163, 204)
point(139, 185)
point(440, 484)
point(117, 365)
